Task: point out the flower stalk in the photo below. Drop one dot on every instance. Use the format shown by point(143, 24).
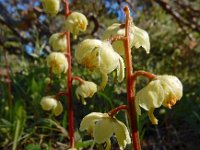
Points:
point(69, 83)
point(81, 81)
point(130, 85)
point(59, 94)
point(113, 112)
point(148, 75)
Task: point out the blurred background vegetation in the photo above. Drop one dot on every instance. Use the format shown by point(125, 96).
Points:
point(174, 30)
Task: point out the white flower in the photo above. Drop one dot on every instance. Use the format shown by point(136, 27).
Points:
point(58, 42)
point(141, 38)
point(49, 103)
point(86, 89)
point(165, 90)
point(51, 6)
point(58, 62)
point(101, 126)
point(75, 23)
point(138, 37)
point(99, 55)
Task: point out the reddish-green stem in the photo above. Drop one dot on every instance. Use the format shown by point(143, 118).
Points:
point(130, 85)
point(79, 79)
point(148, 75)
point(69, 82)
point(63, 93)
point(116, 110)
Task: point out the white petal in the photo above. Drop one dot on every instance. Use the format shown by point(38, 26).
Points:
point(48, 103)
point(108, 144)
point(58, 109)
point(103, 130)
point(151, 96)
point(173, 83)
point(120, 70)
point(85, 48)
point(77, 93)
point(51, 6)
point(58, 62)
point(58, 42)
point(87, 53)
point(122, 134)
point(88, 120)
point(103, 81)
point(75, 23)
point(109, 58)
point(141, 38)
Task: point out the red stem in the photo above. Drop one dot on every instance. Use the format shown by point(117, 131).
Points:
point(81, 81)
point(130, 85)
point(149, 75)
point(69, 82)
point(117, 109)
point(64, 93)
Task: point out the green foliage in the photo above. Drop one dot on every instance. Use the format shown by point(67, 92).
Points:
point(33, 147)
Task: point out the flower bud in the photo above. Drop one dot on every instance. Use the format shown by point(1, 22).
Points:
point(47, 81)
point(99, 55)
point(138, 37)
point(58, 63)
point(86, 89)
point(51, 6)
point(58, 42)
point(75, 23)
point(49, 103)
point(164, 90)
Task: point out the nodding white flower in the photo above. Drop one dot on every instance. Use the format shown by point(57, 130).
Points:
point(86, 89)
point(58, 42)
point(51, 6)
point(49, 103)
point(75, 23)
point(165, 90)
point(138, 37)
point(101, 126)
point(99, 55)
point(58, 62)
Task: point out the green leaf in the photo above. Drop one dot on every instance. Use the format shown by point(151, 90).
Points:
point(33, 147)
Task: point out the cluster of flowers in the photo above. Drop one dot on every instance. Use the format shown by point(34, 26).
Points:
point(57, 60)
point(106, 56)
